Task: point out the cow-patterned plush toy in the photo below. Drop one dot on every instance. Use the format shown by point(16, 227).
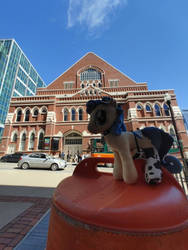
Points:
point(150, 143)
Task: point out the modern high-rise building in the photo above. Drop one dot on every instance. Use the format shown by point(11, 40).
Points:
point(185, 118)
point(17, 76)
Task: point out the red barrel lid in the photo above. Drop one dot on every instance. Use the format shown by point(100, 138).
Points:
point(97, 199)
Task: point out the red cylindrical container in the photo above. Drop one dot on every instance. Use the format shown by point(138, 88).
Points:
point(92, 211)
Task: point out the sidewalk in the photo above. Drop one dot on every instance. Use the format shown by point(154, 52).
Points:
point(20, 213)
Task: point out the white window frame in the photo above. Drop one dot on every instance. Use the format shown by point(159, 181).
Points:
point(68, 85)
point(113, 83)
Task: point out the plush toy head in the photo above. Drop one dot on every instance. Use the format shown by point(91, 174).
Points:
point(106, 116)
point(103, 113)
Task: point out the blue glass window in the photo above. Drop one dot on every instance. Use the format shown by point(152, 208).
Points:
point(166, 110)
point(40, 83)
point(25, 63)
point(80, 114)
point(15, 94)
point(139, 107)
point(148, 108)
point(29, 93)
point(157, 110)
point(31, 86)
point(65, 114)
point(27, 115)
point(33, 74)
point(73, 115)
point(19, 115)
point(20, 87)
point(22, 75)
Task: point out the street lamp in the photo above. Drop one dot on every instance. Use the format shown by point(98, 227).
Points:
point(167, 99)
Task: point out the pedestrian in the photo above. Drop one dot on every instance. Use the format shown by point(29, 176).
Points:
point(63, 155)
point(79, 157)
point(76, 158)
point(68, 156)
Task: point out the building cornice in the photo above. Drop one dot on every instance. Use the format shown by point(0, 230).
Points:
point(75, 90)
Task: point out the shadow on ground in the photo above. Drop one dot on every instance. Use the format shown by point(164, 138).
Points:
point(45, 192)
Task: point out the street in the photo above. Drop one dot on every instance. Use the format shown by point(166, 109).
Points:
point(13, 176)
point(10, 175)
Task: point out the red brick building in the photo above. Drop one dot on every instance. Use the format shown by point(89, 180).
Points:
point(56, 120)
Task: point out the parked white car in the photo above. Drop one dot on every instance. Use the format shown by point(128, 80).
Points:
point(41, 160)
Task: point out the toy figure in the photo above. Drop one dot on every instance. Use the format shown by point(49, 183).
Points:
point(150, 143)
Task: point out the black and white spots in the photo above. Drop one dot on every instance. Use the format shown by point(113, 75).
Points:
point(153, 173)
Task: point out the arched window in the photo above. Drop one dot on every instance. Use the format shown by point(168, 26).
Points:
point(148, 108)
point(65, 118)
point(80, 114)
point(27, 114)
point(99, 84)
point(22, 142)
point(19, 115)
point(140, 110)
point(15, 137)
point(36, 112)
point(31, 141)
point(41, 141)
point(73, 114)
point(90, 74)
point(166, 110)
point(139, 107)
point(157, 110)
point(82, 86)
point(44, 111)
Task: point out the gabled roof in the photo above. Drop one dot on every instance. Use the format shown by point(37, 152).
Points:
point(88, 60)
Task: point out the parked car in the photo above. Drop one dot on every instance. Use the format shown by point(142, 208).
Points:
point(11, 157)
point(41, 160)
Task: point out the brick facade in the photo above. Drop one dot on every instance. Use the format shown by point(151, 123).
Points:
point(55, 120)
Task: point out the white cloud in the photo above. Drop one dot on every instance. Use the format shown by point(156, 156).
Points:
point(91, 13)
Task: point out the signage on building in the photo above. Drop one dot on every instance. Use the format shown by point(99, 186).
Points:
point(47, 143)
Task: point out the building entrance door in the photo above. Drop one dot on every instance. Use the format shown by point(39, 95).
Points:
point(72, 144)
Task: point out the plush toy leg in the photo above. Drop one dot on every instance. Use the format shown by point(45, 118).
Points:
point(117, 171)
point(130, 174)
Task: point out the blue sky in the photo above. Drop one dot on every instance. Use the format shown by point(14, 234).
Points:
point(145, 39)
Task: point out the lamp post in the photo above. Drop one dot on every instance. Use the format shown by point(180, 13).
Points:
point(167, 99)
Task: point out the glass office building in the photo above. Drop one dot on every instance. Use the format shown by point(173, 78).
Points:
point(17, 76)
point(185, 118)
